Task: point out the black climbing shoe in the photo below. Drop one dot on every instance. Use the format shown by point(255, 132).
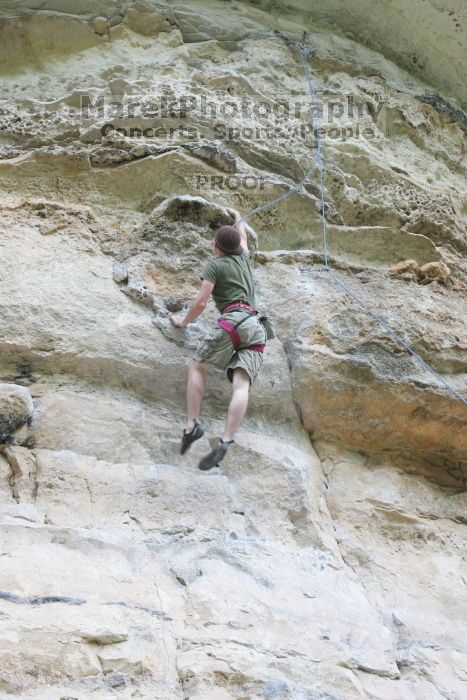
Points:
point(215, 456)
point(189, 438)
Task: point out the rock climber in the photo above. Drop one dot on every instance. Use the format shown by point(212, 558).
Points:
point(236, 344)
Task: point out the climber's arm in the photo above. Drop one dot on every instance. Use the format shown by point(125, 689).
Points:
point(197, 307)
point(241, 228)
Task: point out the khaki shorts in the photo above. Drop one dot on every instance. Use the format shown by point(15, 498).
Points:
point(217, 348)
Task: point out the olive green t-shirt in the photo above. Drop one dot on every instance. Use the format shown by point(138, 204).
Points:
point(232, 279)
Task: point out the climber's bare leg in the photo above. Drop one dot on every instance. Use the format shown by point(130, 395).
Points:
point(238, 403)
point(236, 413)
point(194, 392)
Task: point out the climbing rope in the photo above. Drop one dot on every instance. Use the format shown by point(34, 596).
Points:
point(283, 196)
point(305, 51)
point(317, 160)
point(394, 335)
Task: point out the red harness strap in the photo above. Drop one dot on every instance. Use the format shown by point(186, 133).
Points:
point(239, 305)
point(235, 338)
point(256, 348)
point(232, 331)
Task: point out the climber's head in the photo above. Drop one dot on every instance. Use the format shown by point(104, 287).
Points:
point(227, 241)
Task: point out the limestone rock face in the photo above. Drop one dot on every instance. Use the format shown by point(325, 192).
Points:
point(325, 558)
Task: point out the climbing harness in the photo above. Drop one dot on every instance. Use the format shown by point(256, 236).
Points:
point(234, 334)
point(305, 51)
point(265, 321)
point(239, 305)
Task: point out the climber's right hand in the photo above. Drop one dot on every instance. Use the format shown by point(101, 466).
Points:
point(178, 321)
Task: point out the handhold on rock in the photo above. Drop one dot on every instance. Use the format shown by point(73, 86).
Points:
point(109, 156)
point(197, 210)
point(115, 20)
point(409, 269)
point(212, 153)
point(438, 271)
point(16, 408)
point(119, 86)
point(120, 273)
point(189, 208)
point(149, 20)
point(105, 636)
point(406, 266)
point(100, 25)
